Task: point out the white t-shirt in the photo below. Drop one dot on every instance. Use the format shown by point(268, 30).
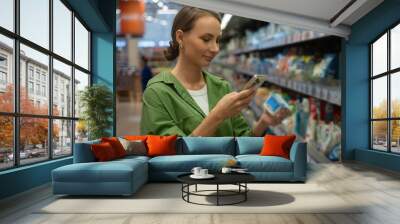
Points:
point(201, 98)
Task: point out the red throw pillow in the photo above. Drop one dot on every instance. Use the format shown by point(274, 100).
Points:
point(116, 145)
point(161, 145)
point(103, 151)
point(135, 137)
point(277, 145)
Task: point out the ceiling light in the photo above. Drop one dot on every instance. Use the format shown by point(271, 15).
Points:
point(225, 20)
point(160, 4)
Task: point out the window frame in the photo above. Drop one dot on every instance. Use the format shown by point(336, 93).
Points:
point(388, 74)
point(16, 114)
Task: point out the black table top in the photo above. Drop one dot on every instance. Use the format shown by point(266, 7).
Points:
point(220, 178)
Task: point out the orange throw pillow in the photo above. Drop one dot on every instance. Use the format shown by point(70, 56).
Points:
point(277, 145)
point(103, 152)
point(116, 145)
point(135, 137)
point(161, 145)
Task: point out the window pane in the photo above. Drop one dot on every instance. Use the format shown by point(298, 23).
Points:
point(6, 74)
point(7, 14)
point(81, 81)
point(379, 97)
point(62, 29)
point(6, 142)
point(62, 138)
point(33, 139)
point(81, 45)
point(395, 47)
point(395, 138)
point(379, 135)
point(62, 89)
point(395, 94)
point(81, 131)
point(34, 78)
point(35, 21)
point(379, 55)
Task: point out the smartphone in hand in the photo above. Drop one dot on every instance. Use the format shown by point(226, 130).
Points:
point(256, 80)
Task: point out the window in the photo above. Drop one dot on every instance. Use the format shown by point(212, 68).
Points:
point(385, 95)
point(38, 89)
point(54, 125)
point(3, 61)
point(30, 72)
point(44, 91)
point(30, 87)
point(3, 78)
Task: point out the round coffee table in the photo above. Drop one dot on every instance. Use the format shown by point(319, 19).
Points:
point(238, 179)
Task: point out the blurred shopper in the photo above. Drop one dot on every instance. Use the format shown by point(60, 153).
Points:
point(146, 73)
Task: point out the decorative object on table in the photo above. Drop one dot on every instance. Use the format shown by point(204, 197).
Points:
point(96, 102)
point(231, 163)
point(200, 173)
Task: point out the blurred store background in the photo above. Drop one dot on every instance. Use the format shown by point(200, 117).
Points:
point(302, 66)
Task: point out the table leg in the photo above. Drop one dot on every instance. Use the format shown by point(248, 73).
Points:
point(245, 193)
point(217, 194)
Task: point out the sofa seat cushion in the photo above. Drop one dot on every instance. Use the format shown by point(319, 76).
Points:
point(112, 171)
point(185, 163)
point(257, 163)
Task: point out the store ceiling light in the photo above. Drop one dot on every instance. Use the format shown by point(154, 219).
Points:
point(168, 11)
point(225, 20)
point(160, 4)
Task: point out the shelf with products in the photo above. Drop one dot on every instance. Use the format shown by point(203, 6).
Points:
point(314, 121)
point(329, 93)
point(275, 44)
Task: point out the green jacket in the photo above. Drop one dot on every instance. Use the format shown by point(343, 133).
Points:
point(168, 108)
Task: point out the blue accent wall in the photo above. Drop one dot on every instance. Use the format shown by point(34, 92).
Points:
point(356, 92)
point(99, 16)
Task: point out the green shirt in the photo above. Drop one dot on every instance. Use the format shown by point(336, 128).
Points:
point(168, 108)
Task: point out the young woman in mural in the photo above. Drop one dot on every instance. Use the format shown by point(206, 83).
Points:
point(188, 101)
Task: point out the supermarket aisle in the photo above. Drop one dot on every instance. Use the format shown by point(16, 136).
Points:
point(128, 115)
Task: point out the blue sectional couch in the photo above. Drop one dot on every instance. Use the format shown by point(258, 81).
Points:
point(125, 176)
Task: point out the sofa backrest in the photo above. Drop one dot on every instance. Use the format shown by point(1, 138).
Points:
point(206, 145)
point(249, 145)
point(83, 153)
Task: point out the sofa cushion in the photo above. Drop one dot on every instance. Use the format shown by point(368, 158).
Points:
point(249, 145)
point(116, 145)
point(112, 171)
point(206, 145)
point(103, 152)
point(161, 145)
point(277, 145)
point(185, 163)
point(134, 147)
point(257, 163)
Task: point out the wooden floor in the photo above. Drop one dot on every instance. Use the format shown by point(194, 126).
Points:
point(377, 188)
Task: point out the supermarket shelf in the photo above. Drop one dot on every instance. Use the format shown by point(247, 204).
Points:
point(273, 44)
point(331, 94)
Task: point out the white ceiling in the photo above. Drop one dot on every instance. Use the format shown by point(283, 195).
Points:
point(315, 15)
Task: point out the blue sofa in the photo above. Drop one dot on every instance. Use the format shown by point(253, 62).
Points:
point(125, 176)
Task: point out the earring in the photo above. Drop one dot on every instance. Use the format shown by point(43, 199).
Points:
point(180, 46)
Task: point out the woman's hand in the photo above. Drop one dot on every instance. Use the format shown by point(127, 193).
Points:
point(268, 119)
point(271, 120)
point(232, 104)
